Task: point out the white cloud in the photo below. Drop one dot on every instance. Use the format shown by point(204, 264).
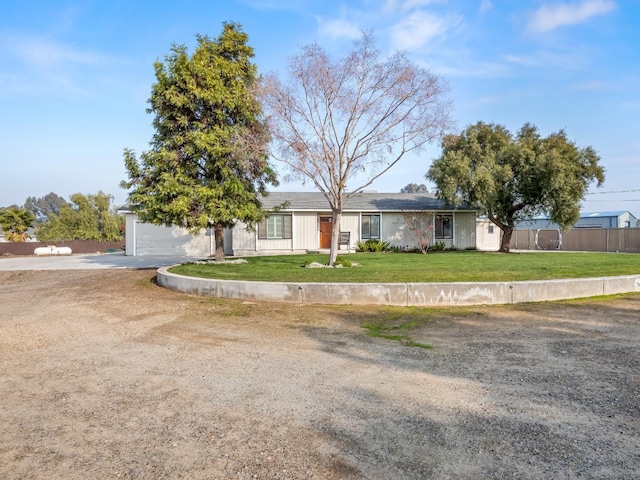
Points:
point(485, 6)
point(570, 58)
point(47, 54)
point(339, 28)
point(473, 70)
point(593, 85)
point(416, 4)
point(550, 17)
point(391, 6)
point(420, 28)
point(37, 65)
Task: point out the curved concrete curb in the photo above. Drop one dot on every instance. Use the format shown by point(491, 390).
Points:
point(402, 294)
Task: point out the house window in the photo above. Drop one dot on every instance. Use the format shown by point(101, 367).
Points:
point(490, 229)
point(370, 226)
point(444, 226)
point(275, 226)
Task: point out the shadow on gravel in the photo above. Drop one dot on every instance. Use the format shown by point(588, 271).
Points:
point(532, 391)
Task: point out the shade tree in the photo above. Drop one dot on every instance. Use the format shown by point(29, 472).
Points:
point(510, 177)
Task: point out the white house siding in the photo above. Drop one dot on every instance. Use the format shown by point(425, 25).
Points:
point(306, 231)
point(464, 230)
point(394, 230)
point(130, 234)
point(159, 240)
point(350, 222)
point(271, 244)
point(244, 241)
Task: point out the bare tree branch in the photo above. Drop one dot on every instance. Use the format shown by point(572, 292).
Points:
point(343, 123)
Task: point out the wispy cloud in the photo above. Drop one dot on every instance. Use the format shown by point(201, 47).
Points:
point(36, 65)
point(485, 6)
point(567, 58)
point(42, 53)
point(585, 86)
point(550, 17)
point(420, 27)
point(406, 5)
point(338, 28)
point(474, 70)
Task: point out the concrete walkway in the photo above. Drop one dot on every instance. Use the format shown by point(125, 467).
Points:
point(90, 262)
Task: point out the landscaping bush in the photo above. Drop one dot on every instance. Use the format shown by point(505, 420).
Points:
point(373, 245)
point(343, 261)
point(437, 247)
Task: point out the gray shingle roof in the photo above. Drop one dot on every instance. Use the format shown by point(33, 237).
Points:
point(361, 202)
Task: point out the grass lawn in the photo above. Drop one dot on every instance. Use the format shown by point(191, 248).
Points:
point(463, 266)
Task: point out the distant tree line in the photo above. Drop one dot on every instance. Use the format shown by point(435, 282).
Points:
point(52, 218)
point(414, 188)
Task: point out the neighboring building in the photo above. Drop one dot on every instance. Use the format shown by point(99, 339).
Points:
point(617, 219)
point(305, 225)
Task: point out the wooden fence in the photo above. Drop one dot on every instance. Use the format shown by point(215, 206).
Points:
point(579, 240)
point(77, 246)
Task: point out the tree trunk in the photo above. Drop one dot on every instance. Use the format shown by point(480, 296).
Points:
point(335, 236)
point(507, 231)
point(218, 229)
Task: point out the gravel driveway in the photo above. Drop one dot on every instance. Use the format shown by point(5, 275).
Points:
point(104, 375)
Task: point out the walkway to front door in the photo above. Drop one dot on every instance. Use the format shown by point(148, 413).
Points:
point(326, 225)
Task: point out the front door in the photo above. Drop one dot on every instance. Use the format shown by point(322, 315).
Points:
point(326, 225)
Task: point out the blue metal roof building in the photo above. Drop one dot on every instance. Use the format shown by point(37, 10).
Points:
point(615, 219)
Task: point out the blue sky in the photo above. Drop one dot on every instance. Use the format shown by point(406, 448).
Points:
point(75, 76)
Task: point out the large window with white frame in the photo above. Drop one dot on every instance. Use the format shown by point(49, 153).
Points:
point(275, 226)
point(370, 226)
point(444, 226)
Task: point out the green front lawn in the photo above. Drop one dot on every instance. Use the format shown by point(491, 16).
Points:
point(463, 266)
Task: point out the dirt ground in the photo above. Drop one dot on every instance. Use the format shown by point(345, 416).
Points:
point(105, 375)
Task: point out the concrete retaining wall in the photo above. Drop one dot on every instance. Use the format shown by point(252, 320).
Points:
point(402, 294)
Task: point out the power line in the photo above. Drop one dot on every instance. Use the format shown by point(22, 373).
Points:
point(615, 191)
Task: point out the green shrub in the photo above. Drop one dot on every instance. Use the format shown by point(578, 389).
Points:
point(343, 261)
point(437, 247)
point(373, 245)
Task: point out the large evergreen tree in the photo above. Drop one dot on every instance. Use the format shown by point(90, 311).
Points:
point(207, 165)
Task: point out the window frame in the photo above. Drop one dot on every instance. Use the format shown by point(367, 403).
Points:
point(268, 228)
point(368, 235)
point(439, 227)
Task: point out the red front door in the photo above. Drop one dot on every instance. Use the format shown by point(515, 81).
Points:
point(326, 224)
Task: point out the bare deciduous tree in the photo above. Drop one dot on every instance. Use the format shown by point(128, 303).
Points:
point(421, 225)
point(341, 124)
